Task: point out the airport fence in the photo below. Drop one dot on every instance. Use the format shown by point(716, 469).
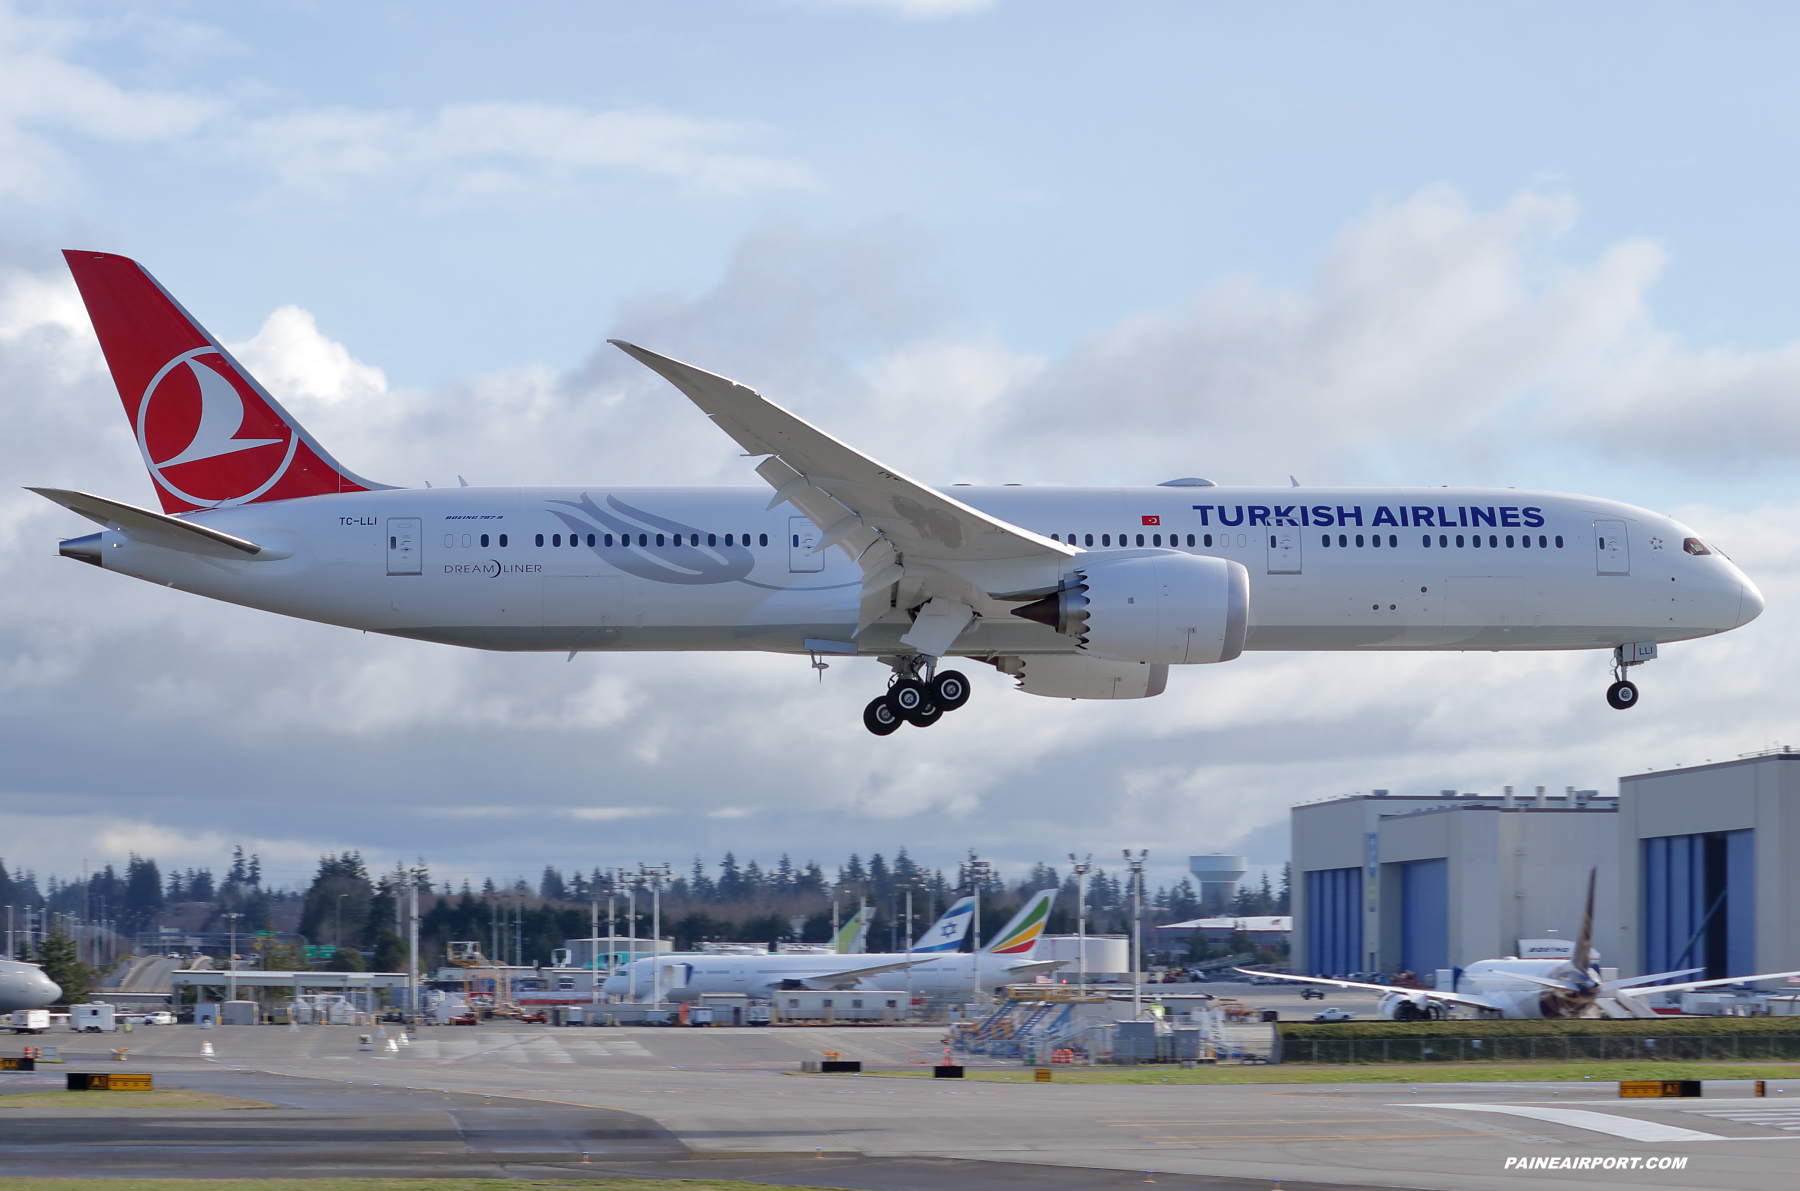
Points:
point(1543, 1048)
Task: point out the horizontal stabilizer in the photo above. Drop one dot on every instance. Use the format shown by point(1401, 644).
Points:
point(151, 528)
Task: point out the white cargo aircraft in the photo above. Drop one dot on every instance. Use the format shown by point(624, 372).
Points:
point(1533, 988)
point(937, 967)
point(24, 986)
point(1079, 593)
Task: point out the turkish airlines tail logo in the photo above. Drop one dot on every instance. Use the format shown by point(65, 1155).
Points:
point(210, 435)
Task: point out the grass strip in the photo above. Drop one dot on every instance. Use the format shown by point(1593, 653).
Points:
point(166, 1100)
point(331, 1184)
point(1785, 1075)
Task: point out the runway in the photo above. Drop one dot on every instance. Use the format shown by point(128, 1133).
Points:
point(498, 1101)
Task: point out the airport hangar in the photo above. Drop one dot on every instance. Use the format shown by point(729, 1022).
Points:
point(1698, 867)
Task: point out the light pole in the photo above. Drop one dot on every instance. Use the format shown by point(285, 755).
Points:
point(655, 875)
point(975, 871)
point(1081, 868)
point(231, 958)
point(1137, 927)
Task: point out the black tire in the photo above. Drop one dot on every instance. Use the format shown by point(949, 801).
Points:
point(924, 715)
point(950, 689)
point(1622, 696)
point(879, 717)
point(907, 695)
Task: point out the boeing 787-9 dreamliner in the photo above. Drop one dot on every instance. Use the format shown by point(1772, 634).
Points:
point(1078, 593)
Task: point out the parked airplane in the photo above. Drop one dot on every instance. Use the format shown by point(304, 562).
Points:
point(1534, 988)
point(24, 986)
point(853, 937)
point(939, 969)
point(1078, 593)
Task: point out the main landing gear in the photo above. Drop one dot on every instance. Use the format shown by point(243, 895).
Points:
point(1622, 695)
point(913, 700)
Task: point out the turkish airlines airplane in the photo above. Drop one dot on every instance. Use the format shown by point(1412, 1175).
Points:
point(1527, 989)
point(1078, 593)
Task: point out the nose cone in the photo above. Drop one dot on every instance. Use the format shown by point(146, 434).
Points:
point(51, 990)
point(1750, 604)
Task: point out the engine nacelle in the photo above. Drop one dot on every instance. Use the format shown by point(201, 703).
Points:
point(1160, 607)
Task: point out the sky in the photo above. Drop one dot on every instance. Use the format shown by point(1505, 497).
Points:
point(995, 242)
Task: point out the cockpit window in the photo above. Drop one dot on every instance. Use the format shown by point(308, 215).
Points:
point(1694, 546)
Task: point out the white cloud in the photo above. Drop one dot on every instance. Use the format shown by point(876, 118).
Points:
point(611, 814)
point(479, 150)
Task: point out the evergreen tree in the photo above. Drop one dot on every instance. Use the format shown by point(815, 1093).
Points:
point(337, 903)
point(551, 886)
point(58, 955)
point(1284, 901)
point(784, 876)
point(143, 896)
point(881, 882)
point(731, 880)
point(200, 885)
point(700, 886)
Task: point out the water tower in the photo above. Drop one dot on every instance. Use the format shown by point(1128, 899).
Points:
point(1218, 877)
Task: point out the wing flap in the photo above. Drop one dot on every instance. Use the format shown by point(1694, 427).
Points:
point(827, 981)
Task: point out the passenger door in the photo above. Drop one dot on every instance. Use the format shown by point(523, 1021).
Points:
point(803, 535)
point(1284, 550)
point(1612, 553)
point(404, 539)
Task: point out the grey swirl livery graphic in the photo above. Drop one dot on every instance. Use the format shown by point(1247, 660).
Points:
point(685, 564)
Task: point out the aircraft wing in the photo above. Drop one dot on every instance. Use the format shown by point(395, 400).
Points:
point(1635, 981)
point(1453, 998)
point(894, 526)
point(1693, 984)
point(827, 981)
point(153, 529)
point(1039, 968)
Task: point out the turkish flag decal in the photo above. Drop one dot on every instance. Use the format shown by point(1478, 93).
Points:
point(1153, 521)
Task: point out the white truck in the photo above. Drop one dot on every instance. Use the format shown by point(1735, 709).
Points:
point(30, 1021)
point(96, 1017)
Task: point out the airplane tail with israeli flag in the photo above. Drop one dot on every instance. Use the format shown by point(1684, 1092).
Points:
point(948, 932)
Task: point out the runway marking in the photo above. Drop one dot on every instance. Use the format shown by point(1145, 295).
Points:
point(1581, 1118)
point(1773, 1117)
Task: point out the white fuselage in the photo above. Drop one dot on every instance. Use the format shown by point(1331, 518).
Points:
point(1498, 982)
point(24, 986)
point(1329, 569)
point(689, 976)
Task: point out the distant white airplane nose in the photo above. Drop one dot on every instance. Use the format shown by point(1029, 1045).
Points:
point(1750, 604)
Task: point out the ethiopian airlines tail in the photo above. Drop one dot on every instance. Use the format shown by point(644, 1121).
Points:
point(1019, 937)
point(948, 932)
point(209, 433)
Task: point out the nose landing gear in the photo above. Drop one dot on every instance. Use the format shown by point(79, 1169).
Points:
point(913, 700)
point(1622, 695)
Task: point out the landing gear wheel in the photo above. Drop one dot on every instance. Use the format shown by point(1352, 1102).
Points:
point(950, 690)
point(906, 696)
point(924, 715)
point(879, 717)
point(1622, 695)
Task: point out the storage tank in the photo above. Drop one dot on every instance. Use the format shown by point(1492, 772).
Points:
point(1218, 875)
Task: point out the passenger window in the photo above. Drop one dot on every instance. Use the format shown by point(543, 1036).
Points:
point(1393, 540)
point(465, 541)
point(1509, 541)
point(1475, 541)
point(540, 539)
point(659, 539)
point(502, 540)
point(1559, 544)
point(1054, 538)
point(1106, 539)
point(393, 542)
point(728, 539)
point(1325, 539)
point(1459, 541)
point(1343, 539)
point(1375, 540)
point(1140, 539)
point(607, 539)
point(762, 539)
point(1425, 540)
point(1190, 539)
point(1359, 538)
point(643, 539)
point(449, 540)
point(484, 541)
point(556, 539)
point(1524, 540)
point(712, 539)
point(1090, 540)
point(1156, 540)
point(796, 539)
point(1209, 540)
point(1542, 543)
point(590, 539)
point(1494, 541)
